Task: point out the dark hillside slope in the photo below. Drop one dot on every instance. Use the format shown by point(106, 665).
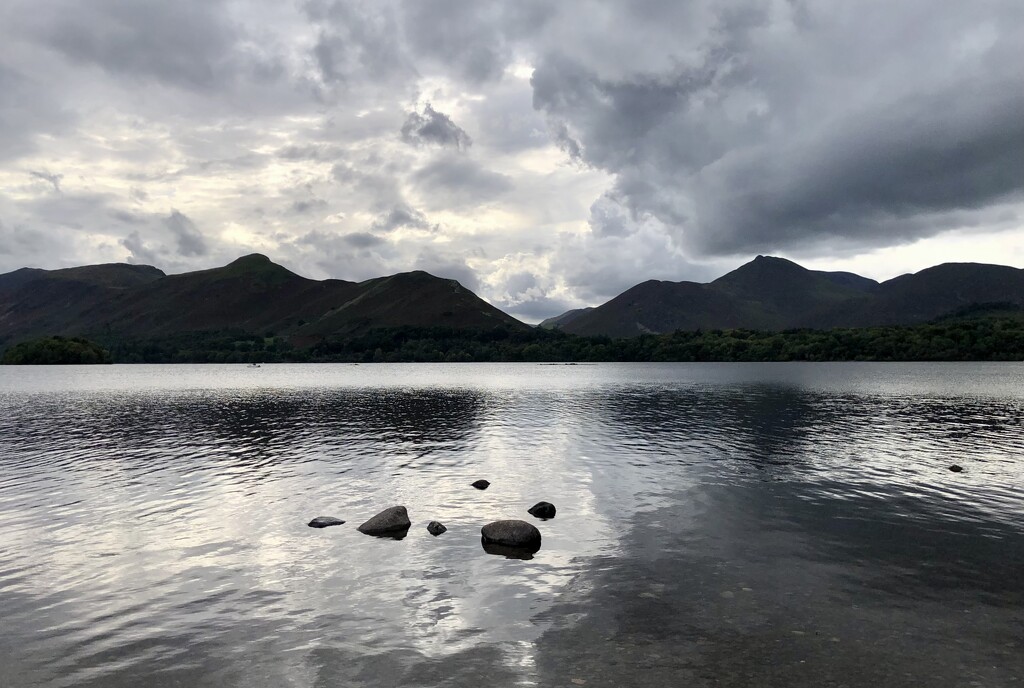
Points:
point(776, 294)
point(655, 307)
point(789, 295)
point(37, 302)
point(413, 299)
point(766, 293)
point(251, 295)
point(932, 293)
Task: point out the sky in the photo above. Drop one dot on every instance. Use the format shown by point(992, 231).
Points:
point(547, 155)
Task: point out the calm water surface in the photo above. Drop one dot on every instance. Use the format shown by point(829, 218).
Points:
point(718, 525)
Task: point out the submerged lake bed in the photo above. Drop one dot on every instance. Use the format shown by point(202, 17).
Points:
point(717, 525)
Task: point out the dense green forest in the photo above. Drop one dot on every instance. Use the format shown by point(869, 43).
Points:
point(979, 339)
point(56, 351)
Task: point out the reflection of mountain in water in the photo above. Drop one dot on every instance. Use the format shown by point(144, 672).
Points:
point(260, 430)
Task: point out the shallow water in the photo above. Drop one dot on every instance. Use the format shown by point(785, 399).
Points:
point(718, 525)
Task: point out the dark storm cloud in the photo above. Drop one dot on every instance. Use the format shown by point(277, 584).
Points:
point(781, 125)
point(455, 181)
point(433, 127)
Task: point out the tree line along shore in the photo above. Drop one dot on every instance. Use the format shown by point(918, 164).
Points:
point(984, 339)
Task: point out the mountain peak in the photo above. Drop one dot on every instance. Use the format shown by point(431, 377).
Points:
point(251, 259)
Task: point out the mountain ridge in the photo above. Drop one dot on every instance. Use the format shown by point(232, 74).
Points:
point(770, 293)
point(251, 294)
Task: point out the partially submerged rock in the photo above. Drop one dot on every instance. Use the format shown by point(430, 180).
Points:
point(481, 484)
point(511, 533)
point(435, 528)
point(955, 468)
point(542, 510)
point(391, 522)
point(525, 553)
point(324, 521)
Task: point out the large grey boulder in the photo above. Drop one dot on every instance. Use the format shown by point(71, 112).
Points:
point(542, 510)
point(388, 522)
point(324, 521)
point(511, 533)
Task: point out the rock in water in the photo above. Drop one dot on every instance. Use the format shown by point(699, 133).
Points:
point(525, 553)
point(481, 484)
point(542, 510)
point(516, 534)
point(324, 521)
point(955, 468)
point(388, 522)
point(435, 528)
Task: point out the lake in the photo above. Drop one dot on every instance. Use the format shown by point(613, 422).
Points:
point(718, 525)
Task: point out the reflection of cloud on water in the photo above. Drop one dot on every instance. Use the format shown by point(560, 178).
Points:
point(185, 513)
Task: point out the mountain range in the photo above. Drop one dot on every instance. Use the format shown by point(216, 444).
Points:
point(777, 294)
point(251, 294)
point(255, 295)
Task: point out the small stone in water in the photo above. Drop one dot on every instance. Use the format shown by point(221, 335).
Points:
point(481, 484)
point(955, 468)
point(435, 528)
point(324, 521)
point(543, 510)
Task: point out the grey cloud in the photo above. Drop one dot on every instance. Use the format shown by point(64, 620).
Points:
point(189, 239)
point(50, 178)
point(448, 266)
point(402, 216)
point(473, 40)
point(27, 108)
point(506, 121)
point(187, 43)
point(459, 182)
point(535, 309)
point(312, 151)
point(138, 252)
point(362, 239)
point(871, 180)
point(358, 44)
point(608, 218)
point(354, 256)
point(737, 139)
point(433, 127)
point(307, 205)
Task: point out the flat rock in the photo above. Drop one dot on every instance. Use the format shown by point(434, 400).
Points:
point(435, 528)
point(324, 521)
point(955, 468)
point(511, 533)
point(481, 484)
point(543, 510)
point(388, 522)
